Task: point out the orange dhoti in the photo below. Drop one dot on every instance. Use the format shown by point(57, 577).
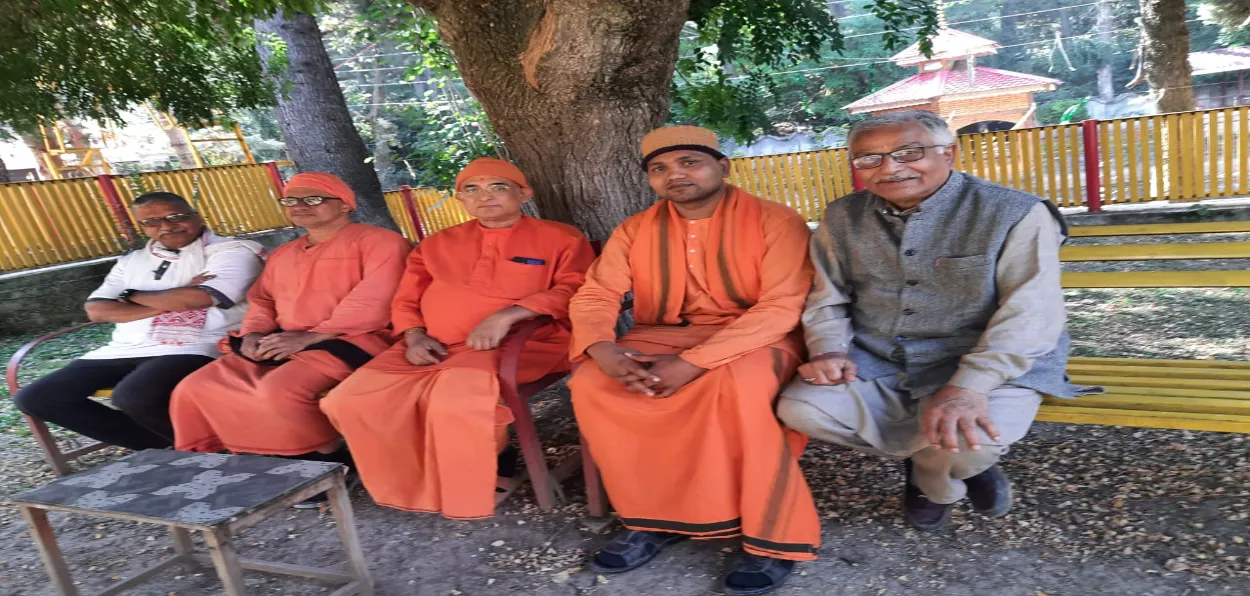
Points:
point(241, 406)
point(425, 438)
point(711, 461)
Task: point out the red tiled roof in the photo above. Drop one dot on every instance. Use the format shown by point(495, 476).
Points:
point(1221, 60)
point(947, 44)
point(920, 89)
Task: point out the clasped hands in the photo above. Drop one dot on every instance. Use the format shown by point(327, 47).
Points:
point(655, 375)
point(949, 413)
point(489, 334)
point(279, 346)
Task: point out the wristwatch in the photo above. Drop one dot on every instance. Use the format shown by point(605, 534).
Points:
point(125, 296)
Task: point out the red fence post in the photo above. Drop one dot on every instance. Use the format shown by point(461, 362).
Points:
point(275, 176)
point(1093, 178)
point(114, 200)
point(413, 214)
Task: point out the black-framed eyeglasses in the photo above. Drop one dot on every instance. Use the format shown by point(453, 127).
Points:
point(869, 161)
point(310, 201)
point(173, 218)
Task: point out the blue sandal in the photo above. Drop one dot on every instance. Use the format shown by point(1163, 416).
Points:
point(631, 549)
point(752, 575)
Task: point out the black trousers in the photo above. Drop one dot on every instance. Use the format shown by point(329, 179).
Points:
point(141, 393)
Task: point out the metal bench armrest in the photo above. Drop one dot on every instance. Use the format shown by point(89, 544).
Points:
point(15, 362)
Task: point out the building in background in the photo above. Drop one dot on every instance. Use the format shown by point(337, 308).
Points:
point(949, 83)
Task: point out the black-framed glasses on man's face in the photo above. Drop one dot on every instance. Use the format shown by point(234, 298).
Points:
point(869, 161)
point(496, 188)
point(173, 218)
point(310, 201)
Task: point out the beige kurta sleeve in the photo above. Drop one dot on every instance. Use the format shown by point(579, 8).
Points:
point(1030, 315)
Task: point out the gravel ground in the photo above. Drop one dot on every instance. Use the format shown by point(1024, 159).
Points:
point(1100, 510)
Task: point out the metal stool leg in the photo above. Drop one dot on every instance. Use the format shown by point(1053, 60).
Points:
point(49, 551)
point(345, 519)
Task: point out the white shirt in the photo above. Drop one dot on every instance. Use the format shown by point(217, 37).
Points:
point(234, 262)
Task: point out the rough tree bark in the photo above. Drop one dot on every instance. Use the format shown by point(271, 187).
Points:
point(1165, 54)
point(1105, 24)
point(570, 86)
point(4, 172)
point(313, 114)
point(180, 142)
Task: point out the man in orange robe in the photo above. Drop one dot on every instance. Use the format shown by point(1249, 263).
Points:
point(678, 413)
point(320, 309)
point(423, 420)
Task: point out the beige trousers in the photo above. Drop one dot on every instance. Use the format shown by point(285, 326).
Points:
point(879, 417)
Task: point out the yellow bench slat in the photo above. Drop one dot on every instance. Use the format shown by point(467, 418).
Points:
point(1173, 372)
point(1145, 252)
point(1144, 419)
point(1209, 227)
point(1159, 382)
point(1156, 279)
point(1237, 364)
point(1156, 403)
point(103, 393)
point(1177, 392)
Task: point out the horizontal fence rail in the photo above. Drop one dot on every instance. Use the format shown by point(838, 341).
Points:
point(1187, 156)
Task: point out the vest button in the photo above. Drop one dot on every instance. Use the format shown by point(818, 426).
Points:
point(908, 312)
point(911, 252)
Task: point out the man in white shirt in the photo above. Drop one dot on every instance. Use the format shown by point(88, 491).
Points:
point(171, 301)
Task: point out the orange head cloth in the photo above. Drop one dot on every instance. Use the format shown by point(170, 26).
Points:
point(323, 183)
point(673, 138)
point(489, 166)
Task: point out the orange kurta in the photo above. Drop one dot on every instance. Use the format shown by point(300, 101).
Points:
point(726, 294)
point(424, 437)
point(342, 286)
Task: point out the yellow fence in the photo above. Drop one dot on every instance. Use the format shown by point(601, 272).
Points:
point(805, 181)
point(1046, 161)
point(44, 223)
point(1175, 157)
point(236, 199)
point(437, 211)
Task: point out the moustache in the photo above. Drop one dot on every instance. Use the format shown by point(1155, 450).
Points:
point(898, 178)
point(173, 231)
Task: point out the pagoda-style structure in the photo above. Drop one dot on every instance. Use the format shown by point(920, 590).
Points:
point(971, 98)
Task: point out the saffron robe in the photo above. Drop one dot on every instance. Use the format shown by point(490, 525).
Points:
point(725, 294)
point(425, 438)
point(342, 286)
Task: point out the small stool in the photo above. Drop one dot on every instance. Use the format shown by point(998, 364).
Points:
point(216, 494)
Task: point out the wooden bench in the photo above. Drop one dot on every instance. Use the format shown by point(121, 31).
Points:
point(517, 396)
point(1210, 395)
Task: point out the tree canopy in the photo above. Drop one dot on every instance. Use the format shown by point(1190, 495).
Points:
point(94, 60)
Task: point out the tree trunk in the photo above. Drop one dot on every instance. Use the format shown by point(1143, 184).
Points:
point(4, 173)
point(180, 142)
point(313, 115)
point(1165, 54)
point(1105, 24)
point(383, 131)
point(570, 87)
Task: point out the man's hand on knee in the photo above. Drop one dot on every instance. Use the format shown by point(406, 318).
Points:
point(954, 411)
point(831, 368)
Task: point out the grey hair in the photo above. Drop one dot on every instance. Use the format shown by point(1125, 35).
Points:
point(931, 122)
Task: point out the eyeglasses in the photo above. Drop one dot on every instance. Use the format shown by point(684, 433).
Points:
point(496, 188)
point(904, 155)
point(310, 201)
point(173, 218)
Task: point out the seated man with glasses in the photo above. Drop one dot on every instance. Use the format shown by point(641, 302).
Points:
point(171, 302)
point(424, 420)
point(935, 322)
point(320, 310)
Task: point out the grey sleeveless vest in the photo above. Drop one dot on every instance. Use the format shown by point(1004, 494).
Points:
point(922, 299)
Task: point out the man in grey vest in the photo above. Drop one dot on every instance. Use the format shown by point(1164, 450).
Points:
point(936, 320)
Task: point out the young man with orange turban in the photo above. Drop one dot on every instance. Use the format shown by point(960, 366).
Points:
point(423, 420)
point(678, 413)
point(320, 309)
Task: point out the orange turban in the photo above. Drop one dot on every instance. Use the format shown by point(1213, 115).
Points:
point(324, 184)
point(489, 166)
point(674, 138)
